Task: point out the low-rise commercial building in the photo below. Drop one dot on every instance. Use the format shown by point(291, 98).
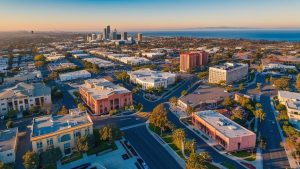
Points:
point(292, 102)
point(230, 135)
point(102, 96)
point(81, 74)
point(227, 73)
point(8, 145)
point(61, 66)
point(203, 98)
point(23, 77)
point(60, 131)
point(100, 62)
point(153, 55)
point(152, 79)
point(53, 56)
point(23, 96)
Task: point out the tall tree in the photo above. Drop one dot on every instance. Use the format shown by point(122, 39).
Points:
point(227, 102)
point(178, 137)
point(173, 100)
point(82, 144)
point(260, 114)
point(195, 161)
point(106, 133)
point(31, 160)
point(159, 118)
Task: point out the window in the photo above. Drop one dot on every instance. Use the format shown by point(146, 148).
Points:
point(39, 145)
point(65, 137)
point(77, 134)
point(9, 154)
point(50, 142)
point(87, 131)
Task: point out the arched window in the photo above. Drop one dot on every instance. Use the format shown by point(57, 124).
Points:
point(65, 137)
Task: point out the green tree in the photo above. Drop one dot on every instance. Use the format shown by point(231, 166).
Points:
point(81, 107)
point(258, 86)
point(178, 137)
point(241, 87)
point(159, 118)
point(82, 144)
point(190, 146)
point(260, 114)
point(39, 58)
point(205, 156)
point(5, 166)
point(237, 115)
point(189, 110)
point(280, 107)
point(195, 161)
point(227, 102)
point(35, 109)
point(12, 114)
point(106, 133)
point(123, 76)
point(202, 75)
point(173, 100)
point(258, 106)
point(51, 155)
point(282, 83)
point(9, 124)
point(63, 111)
point(31, 160)
point(184, 92)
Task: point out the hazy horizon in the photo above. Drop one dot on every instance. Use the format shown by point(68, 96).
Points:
point(142, 15)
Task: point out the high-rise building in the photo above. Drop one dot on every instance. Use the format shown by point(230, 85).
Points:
point(114, 35)
point(94, 36)
point(191, 60)
point(108, 31)
point(140, 37)
point(227, 73)
point(105, 33)
point(124, 36)
point(118, 36)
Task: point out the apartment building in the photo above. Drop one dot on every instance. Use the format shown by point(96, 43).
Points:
point(103, 96)
point(23, 96)
point(189, 61)
point(230, 135)
point(8, 145)
point(227, 73)
point(152, 79)
point(60, 131)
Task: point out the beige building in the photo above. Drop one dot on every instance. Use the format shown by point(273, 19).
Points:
point(228, 73)
point(60, 131)
point(8, 145)
point(23, 96)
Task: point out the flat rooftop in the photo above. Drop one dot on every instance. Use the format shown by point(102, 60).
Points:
point(8, 139)
point(54, 123)
point(205, 94)
point(148, 75)
point(224, 125)
point(83, 72)
point(102, 88)
point(289, 95)
point(229, 66)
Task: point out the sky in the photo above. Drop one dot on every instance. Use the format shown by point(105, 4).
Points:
point(146, 15)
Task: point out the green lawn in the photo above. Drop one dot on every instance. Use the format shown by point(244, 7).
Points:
point(211, 166)
point(168, 139)
point(74, 157)
point(251, 158)
point(242, 154)
point(50, 166)
point(228, 165)
point(101, 147)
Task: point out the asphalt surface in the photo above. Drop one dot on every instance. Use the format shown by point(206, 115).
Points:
point(153, 153)
point(121, 122)
point(216, 156)
point(274, 155)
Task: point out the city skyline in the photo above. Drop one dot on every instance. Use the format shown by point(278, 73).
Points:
point(134, 15)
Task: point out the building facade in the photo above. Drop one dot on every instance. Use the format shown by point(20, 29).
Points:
point(81, 74)
point(24, 96)
point(60, 131)
point(231, 136)
point(227, 73)
point(189, 61)
point(152, 79)
point(102, 96)
point(8, 145)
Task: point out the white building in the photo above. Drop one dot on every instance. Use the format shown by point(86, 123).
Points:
point(81, 74)
point(228, 73)
point(134, 60)
point(292, 102)
point(278, 66)
point(149, 78)
point(100, 62)
point(8, 145)
point(23, 76)
point(54, 56)
point(153, 55)
point(81, 55)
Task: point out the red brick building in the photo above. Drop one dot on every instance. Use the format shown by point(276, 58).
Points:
point(103, 96)
point(188, 61)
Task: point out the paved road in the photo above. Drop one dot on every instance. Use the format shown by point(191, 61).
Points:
point(118, 121)
point(217, 157)
point(274, 155)
point(153, 153)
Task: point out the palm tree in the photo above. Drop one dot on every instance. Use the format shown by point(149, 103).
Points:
point(260, 114)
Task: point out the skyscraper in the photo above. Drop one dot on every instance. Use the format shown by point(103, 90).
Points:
point(124, 36)
point(140, 37)
point(104, 33)
point(108, 31)
point(114, 35)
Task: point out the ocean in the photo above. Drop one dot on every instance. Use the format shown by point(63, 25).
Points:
point(270, 35)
